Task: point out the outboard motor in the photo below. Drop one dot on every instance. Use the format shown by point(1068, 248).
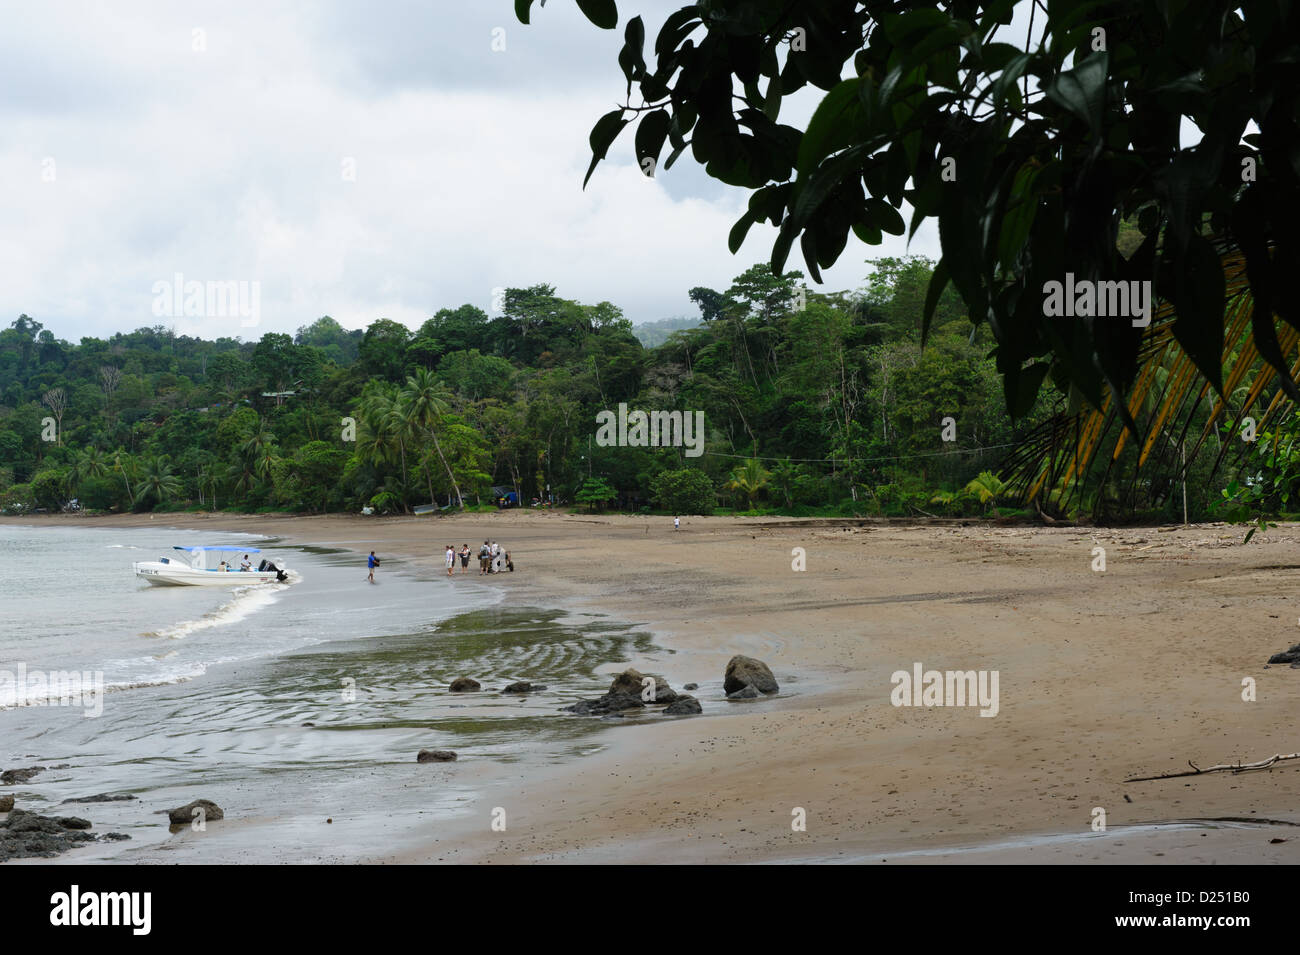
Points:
point(267, 567)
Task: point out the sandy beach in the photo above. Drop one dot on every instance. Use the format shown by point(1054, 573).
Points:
point(1103, 676)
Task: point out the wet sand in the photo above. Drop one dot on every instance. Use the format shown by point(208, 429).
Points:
point(1103, 676)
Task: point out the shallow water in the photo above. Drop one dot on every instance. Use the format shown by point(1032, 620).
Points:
point(210, 692)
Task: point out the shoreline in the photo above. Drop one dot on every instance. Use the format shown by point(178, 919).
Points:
point(1105, 676)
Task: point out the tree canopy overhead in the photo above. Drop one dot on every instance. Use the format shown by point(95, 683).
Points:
point(1029, 150)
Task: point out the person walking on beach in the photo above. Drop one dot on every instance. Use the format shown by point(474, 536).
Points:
point(677, 523)
point(484, 553)
point(464, 558)
point(450, 558)
point(372, 562)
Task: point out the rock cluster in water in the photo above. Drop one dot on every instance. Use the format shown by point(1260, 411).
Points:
point(29, 835)
point(745, 679)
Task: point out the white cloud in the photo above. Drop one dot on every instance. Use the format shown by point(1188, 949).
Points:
point(227, 164)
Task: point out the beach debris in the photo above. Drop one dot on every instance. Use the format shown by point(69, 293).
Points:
point(6, 802)
point(745, 671)
point(185, 814)
point(101, 797)
point(1234, 768)
point(435, 756)
point(746, 692)
point(463, 684)
point(524, 687)
point(691, 686)
point(1291, 656)
point(684, 705)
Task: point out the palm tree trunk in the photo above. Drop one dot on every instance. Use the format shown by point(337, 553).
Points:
point(460, 500)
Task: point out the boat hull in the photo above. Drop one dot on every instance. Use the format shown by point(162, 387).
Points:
point(171, 575)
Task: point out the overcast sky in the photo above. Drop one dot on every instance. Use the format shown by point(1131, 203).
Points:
point(127, 156)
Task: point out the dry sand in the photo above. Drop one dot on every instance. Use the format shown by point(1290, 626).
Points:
point(1102, 676)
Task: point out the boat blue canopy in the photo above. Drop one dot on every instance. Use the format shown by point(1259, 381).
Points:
point(246, 550)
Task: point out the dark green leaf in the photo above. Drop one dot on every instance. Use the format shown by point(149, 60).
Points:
point(1082, 90)
point(829, 130)
point(650, 133)
point(938, 282)
point(603, 134)
point(603, 13)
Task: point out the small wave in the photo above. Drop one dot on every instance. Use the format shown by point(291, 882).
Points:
point(244, 602)
point(121, 547)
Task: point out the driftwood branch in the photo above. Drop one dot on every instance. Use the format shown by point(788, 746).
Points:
point(1227, 767)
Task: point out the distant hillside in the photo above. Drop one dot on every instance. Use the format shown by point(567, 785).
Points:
point(654, 334)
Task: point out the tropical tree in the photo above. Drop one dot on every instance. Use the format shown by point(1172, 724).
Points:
point(89, 462)
point(157, 481)
point(750, 479)
point(1029, 154)
point(424, 405)
point(595, 492)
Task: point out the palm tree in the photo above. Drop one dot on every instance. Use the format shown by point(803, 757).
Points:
point(750, 479)
point(988, 487)
point(385, 435)
point(425, 401)
point(156, 480)
point(89, 462)
point(259, 449)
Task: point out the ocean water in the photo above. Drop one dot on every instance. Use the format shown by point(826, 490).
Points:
point(314, 694)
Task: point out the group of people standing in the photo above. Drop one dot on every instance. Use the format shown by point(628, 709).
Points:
point(492, 558)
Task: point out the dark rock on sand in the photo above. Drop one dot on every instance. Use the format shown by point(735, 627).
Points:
point(26, 835)
point(101, 797)
point(1291, 656)
point(114, 837)
point(11, 777)
point(435, 756)
point(746, 692)
point(609, 703)
point(684, 706)
point(185, 814)
point(745, 671)
point(632, 683)
point(691, 686)
point(463, 684)
point(524, 687)
point(6, 803)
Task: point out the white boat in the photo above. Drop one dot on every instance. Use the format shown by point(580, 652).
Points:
point(208, 567)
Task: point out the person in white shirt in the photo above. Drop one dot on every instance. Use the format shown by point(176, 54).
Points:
point(245, 564)
point(450, 558)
